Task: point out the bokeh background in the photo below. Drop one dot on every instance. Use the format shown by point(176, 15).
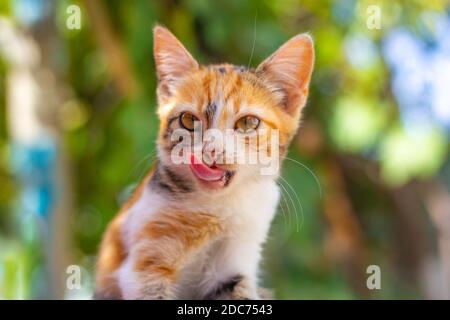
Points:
point(367, 179)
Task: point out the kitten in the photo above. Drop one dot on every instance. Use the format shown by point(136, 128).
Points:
point(195, 230)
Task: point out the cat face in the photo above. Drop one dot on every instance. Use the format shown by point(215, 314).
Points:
point(222, 124)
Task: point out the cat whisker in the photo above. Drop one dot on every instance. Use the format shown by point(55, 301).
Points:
point(283, 201)
point(254, 41)
point(151, 155)
point(292, 202)
point(283, 197)
point(281, 207)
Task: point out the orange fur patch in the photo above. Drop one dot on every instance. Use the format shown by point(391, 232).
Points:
point(112, 249)
point(111, 255)
point(171, 237)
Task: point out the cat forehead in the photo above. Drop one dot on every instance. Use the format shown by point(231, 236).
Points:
point(227, 68)
point(223, 84)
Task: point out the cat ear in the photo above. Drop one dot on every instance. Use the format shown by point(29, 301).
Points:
point(172, 60)
point(287, 72)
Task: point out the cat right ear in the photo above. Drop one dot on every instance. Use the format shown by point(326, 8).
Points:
point(172, 61)
point(288, 72)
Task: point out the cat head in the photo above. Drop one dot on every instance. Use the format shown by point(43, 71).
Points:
point(215, 120)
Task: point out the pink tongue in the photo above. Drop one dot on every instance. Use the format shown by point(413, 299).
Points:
point(204, 172)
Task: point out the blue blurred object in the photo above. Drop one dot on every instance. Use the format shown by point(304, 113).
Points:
point(421, 74)
point(34, 167)
point(361, 51)
point(30, 12)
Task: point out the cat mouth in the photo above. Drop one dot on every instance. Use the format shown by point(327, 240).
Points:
point(213, 176)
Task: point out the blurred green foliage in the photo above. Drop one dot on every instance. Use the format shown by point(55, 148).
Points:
point(111, 138)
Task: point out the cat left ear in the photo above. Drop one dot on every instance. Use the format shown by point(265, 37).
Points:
point(287, 72)
point(172, 60)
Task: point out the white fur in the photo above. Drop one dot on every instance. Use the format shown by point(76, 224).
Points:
point(249, 211)
point(141, 212)
point(127, 280)
point(137, 216)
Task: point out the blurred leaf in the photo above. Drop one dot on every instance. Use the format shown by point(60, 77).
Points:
point(412, 153)
point(356, 124)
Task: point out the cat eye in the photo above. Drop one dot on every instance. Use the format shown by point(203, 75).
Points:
point(187, 121)
point(247, 124)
